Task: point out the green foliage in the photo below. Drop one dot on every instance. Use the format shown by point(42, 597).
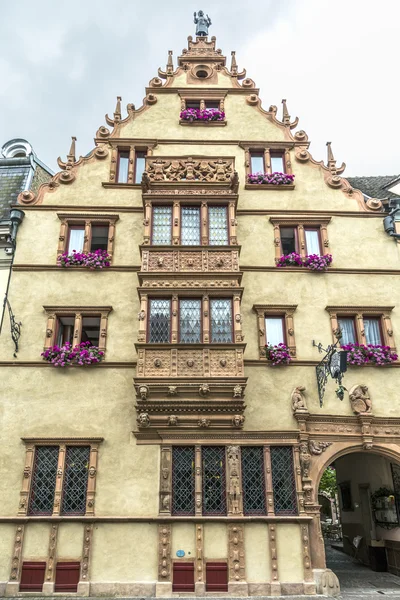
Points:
point(328, 483)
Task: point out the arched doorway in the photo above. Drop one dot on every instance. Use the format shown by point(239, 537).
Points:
point(368, 492)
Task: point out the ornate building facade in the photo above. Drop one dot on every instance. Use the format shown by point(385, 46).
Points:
point(181, 447)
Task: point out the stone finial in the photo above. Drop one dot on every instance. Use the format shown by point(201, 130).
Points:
point(117, 112)
point(71, 157)
point(286, 116)
point(170, 64)
point(332, 161)
point(234, 68)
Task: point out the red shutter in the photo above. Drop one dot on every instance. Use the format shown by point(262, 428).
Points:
point(32, 576)
point(216, 577)
point(67, 576)
point(183, 577)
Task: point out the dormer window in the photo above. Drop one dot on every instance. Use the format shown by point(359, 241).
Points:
point(268, 166)
point(204, 110)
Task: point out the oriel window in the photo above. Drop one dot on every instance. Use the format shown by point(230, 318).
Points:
point(162, 226)
point(253, 480)
point(283, 480)
point(190, 321)
point(160, 321)
point(218, 226)
point(190, 226)
point(221, 320)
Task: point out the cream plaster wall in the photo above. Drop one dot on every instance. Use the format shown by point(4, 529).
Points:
point(223, 81)
point(36, 541)
point(215, 541)
point(257, 553)
point(124, 552)
point(289, 549)
point(70, 541)
point(7, 535)
point(183, 538)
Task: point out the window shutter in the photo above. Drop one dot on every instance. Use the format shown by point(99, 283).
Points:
point(216, 577)
point(32, 576)
point(183, 577)
point(67, 576)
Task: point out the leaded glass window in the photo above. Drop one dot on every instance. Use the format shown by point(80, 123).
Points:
point(162, 225)
point(190, 321)
point(190, 226)
point(160, 321)
point(43, 480)
point(75, 480)
point(253, 481)
point(218, 226)
point(283, 481)
point(183, 481)
point(221, 320)
point(214, 495)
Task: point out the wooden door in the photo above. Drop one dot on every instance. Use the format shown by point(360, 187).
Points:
point(183, 577)
point(216, 577)
point(67, 576)
point(32, 576)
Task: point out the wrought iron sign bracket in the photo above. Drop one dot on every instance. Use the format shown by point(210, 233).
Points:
point(333, 364)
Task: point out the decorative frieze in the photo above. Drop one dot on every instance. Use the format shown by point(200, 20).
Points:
point(199, 576)
point(171, 170)
point(176, 261)
point(51, 557)
point(16, 562)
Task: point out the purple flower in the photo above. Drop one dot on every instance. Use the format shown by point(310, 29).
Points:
point(83, 353)
point(93, 260)
point(206, 114)
point(359, 354)
point(278, 355)
point(270, 178)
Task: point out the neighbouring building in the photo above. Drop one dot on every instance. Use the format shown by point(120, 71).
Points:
point(180, 445)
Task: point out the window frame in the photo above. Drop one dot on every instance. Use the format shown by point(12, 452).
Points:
point(284, 327)
point(138, 147)
point(123, 150)
point(54, 312)
point(301, 224)
point(69, 220)
point(202, 97)
point(225, 206)
point(267, 149)
point(232, 319)
point(168, 299)
point(320, 242)
point(383, 313)
point(30, 449)
point(286, 312)
point(200, 299)
point(152, 225)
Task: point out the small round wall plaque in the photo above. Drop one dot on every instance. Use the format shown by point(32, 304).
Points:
point(180, 553)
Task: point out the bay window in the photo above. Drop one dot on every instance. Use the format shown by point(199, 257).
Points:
point(221, 320)
point(159, 321)
point(190, 226)
point(218, 226)
point(190, 321)
point(162, 226)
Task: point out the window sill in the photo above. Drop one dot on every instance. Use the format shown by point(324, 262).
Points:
point(128, 186)
point(269, 186)
point(204, 123)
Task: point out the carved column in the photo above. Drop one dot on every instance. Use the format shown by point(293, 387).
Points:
point(234, 481)
point(199, 584)
point(176, 223)
point(291, 341)
point(268, 481)
point(360, 328)
point(114, 159)
point(77, 329)
point(87, 238)
point(103, 330)
point(324, 239)
point(59, 479)
point(48, 585)
point(288, 162)
point(299, 485)
point(267, 160)
point(204, 223)
point(334, 324)
point(147, 223)
point(309, 584)
point(317, 545)
point(84, 578)
point(302, 240)
point(91, 488)
point(232, 224)
point(143, 318)
point(131, 166)
point(277, 242)
point(202, 105)
point(206, 320)
point(166, 480)
point(275, 585)
point(198, 481)
point(27, 480)
point(237, 321)
point(236, 559)
point(12, 587)
point(174, 319)
point(111, 237)
point(62, 240)
point(50, 330)
point(164, 552)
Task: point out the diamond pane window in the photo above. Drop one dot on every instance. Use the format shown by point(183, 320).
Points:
point(221, 320)
point(190, 321)
point(160, 321)
point(283, 481)
point(183, 481)
point(190, 226)
point(214, 498)
point(75, 480)
point(218, 226)
point(253, 480)
point(162, 225)
point(43, 480)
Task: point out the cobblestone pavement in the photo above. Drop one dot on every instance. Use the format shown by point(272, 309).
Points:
point(358, 581)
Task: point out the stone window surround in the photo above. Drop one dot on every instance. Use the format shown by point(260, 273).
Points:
point(86, 219)
point(53, 312)
point(233, 476)
point(62, 443)
point(276, 310)
point(176, 220)
point(205, 311)
point(358, 313)
point(267, 148)
point(215, 95)
point(132, 148)
point(301, 223)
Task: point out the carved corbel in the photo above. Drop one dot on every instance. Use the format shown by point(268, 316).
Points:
point(166, 480)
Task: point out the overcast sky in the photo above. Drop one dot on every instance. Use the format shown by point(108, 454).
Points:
point(62, 65)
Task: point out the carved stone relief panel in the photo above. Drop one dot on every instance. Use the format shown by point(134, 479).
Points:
point(86, 552)
point(51, 558)
point(199, 552)
point(160, 261)
point(220, 261)
point(190, 261)
point(236, 553)
point(170, 170)
point(16, 562)
point(164, 552)
point(234, 488)
point(223, 362)
point(157, 363)
point(190, 362)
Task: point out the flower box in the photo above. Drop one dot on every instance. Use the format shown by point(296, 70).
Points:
point(270, 179)
point(313, 262)
point(92, 260)
point(359, 354)
point(206, 115)
point(66, 355)
point(278, 355)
